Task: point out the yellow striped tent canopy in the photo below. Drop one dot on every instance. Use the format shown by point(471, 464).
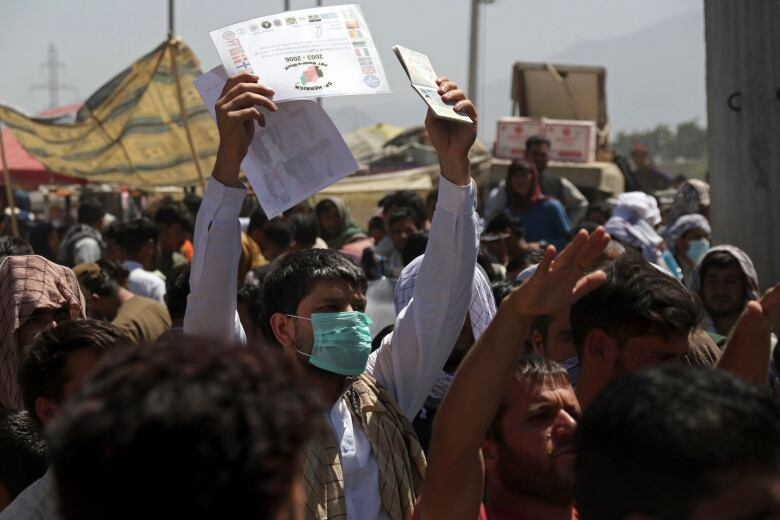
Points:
point(131, 130)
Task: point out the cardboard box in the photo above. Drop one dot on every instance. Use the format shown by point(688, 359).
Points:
point(570, 141)
point(512, 133)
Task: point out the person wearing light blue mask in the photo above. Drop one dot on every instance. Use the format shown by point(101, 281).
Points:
point(688, 238)
point(313, 302)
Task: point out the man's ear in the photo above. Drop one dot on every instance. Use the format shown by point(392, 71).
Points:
point(601, 350)
point(283, 329)
point(46, 410)
point(537, 342)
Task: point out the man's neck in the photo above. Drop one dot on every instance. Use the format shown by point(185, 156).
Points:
point(724, 324)
point(524, 506)
point(329, 387)
point(123, 295)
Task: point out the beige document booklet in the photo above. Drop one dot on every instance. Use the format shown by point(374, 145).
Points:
point(420, 71)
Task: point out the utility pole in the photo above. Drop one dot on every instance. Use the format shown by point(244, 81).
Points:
point(474, 48)
point(52, 83)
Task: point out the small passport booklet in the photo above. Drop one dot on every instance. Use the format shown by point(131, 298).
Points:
point(420, 71)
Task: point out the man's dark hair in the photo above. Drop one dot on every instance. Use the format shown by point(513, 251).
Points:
point(402, 214)
point(229, 424)
point(719, 259)
point(504, 221)
point(536, 140)
point(280, 232)
point(23, 452)
point(501, 290)
point(193, 202)
point(43, 371)
point(415, 246)
point(306, 230)
point(90, 211)
point(294, 275)
point(99, 283)
point(660, 441)
point(14, 246)
point(406, 199)
point(376, 223)
point(258, 220)
point(115, 231)
point(636, 300)
point(534, 370)
point(177, 289)
point(137, 233)
point(252, 296)
point(173, 214)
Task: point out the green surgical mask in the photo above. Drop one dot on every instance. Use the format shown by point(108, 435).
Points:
point(342, 341)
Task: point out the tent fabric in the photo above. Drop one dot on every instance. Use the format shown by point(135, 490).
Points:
point(26, 172)
point(130, 131)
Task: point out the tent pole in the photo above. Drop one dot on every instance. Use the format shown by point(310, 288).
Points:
point(9, 190)
point(174, 44)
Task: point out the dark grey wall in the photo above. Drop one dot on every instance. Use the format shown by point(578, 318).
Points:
point(743, 61)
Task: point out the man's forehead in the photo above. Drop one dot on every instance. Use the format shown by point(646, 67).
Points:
point(536, 392)
point(336, 289)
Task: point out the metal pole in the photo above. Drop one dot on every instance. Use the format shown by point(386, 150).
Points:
point(9, 189)
point(319, 99)
point(286, 5)
point(473, 50)
point(171, 9)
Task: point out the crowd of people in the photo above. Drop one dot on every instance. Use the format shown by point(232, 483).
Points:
point(543, 356)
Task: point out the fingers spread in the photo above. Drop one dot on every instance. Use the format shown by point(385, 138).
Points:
point(570, 253)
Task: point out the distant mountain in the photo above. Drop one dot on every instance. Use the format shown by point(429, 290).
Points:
point(655, 75)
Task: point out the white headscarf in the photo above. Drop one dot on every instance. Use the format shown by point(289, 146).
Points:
point(633, 223)
point(682, 225)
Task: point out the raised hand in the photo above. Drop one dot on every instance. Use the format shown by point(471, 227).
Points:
point(766, 311)
point(559, 281)
point(237, 109)
point(453, 140)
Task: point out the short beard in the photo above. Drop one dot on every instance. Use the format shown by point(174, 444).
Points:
point(521, 476)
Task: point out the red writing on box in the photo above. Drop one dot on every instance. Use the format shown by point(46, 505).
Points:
point(570, 141)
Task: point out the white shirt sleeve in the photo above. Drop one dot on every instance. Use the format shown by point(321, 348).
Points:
point(212, 303)
point(86, 250)
point(410, 358)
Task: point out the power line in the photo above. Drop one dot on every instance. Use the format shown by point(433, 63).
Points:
point(52, 83)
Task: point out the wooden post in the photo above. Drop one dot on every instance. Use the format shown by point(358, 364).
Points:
point(9, 189)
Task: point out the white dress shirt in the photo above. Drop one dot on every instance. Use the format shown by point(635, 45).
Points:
point(144, 283)
point(410, 358)
point(38, 501)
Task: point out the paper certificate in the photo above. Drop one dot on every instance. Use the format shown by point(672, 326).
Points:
point(299, 153)
point(326, 51)
point(420, 71)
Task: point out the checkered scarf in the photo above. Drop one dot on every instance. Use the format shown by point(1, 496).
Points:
point(481, 310)
point(28, 283)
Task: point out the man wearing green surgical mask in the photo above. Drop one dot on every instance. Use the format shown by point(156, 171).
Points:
point(366, 462)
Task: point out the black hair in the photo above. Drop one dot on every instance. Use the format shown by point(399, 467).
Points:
point(483, 261)
point(376, 223)
point(504, 221)
point(306, 229)
point(518, 166)
point(251, 295)
point(402, 214)
point(501, 290)
point(173, 214)
point(258, 220)
point(406, 199)
point(719, 259)
point(136, 233)
point(177, 289)
point(14, 246)
point(43, 371)
point(415, 246)
point(115, 231)
point(99, 282)
point(636, 300)
point(377, 341)
point(658, 442)
point(294, 275)
point(23, 451)
point(280, 232)
point(230, 424)
point(533, 370)
point(193, 202)
point(90, 211)
point(536, 140)
point(39, 240)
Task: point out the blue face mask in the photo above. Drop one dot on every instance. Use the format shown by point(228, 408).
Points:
point(697, 249)
point(342, 341)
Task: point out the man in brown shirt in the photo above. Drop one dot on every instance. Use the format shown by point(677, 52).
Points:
point(140, 319)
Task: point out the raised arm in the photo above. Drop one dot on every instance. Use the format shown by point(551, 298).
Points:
point(426, 329)
point(211, 305)
point(453, 480)
point(748, 352)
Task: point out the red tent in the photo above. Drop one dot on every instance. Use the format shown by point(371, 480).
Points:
point(26, 172)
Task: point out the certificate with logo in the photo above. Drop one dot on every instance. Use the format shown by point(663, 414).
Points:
point(325, 51)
